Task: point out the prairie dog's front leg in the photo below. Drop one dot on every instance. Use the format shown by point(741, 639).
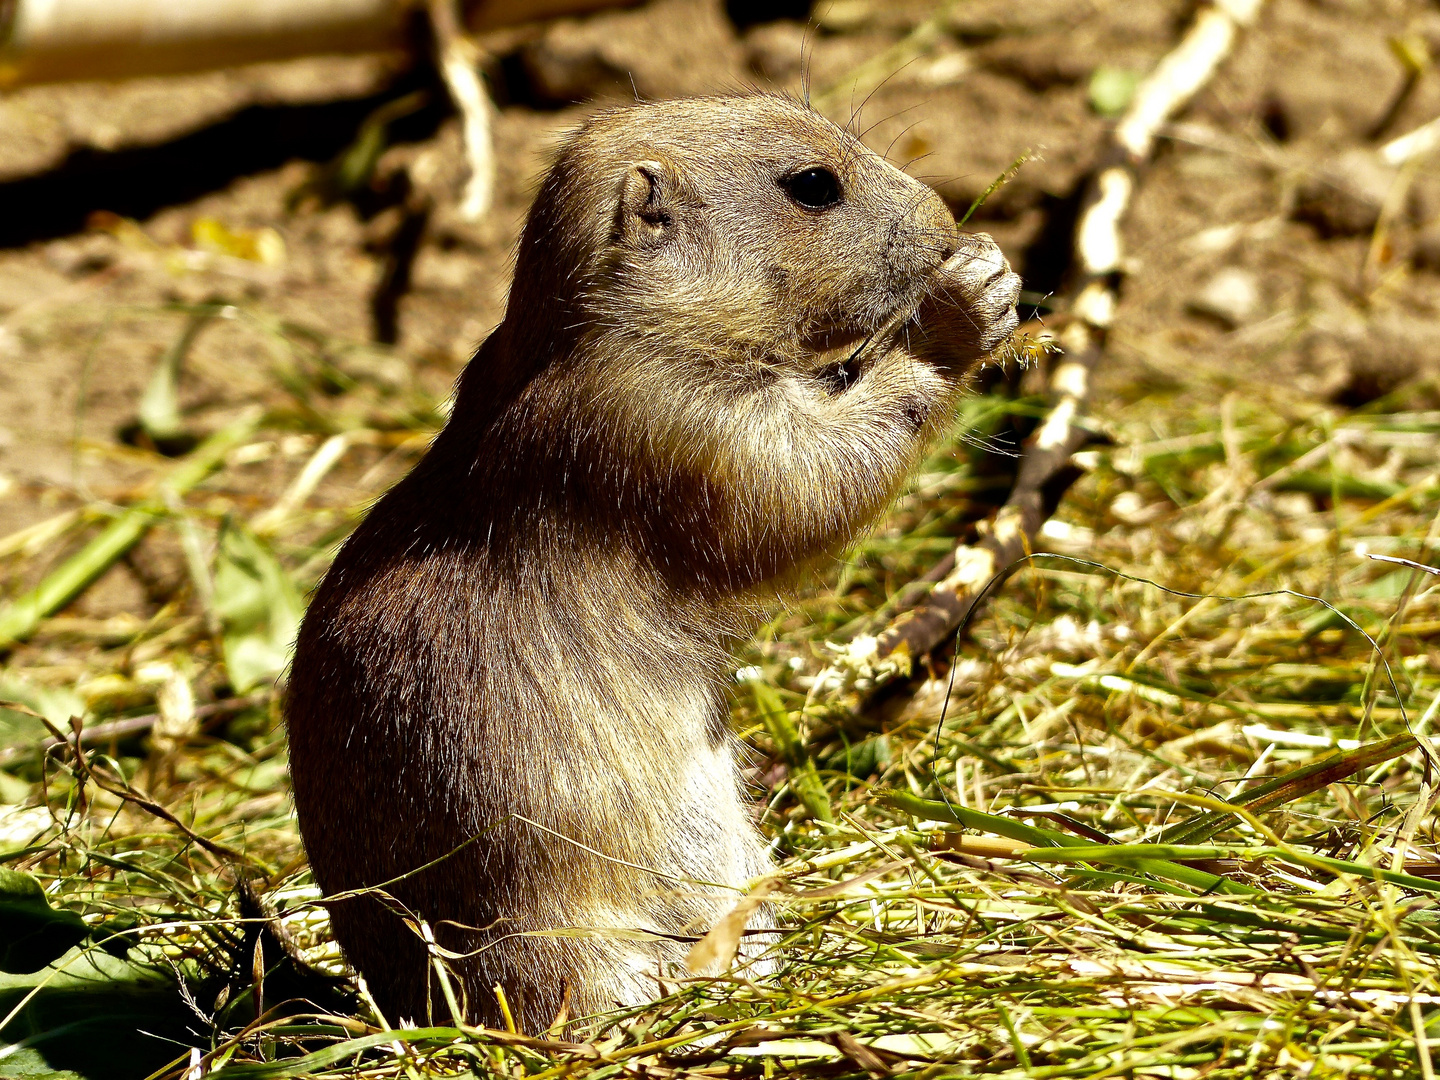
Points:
point(798, 470)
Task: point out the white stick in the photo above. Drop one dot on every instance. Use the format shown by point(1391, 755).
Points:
point(1097, 240)
point(51, 40)
point(459, 62)
point(1183, 72)
point(1412, 145)
point(1178, 77)
point(1100, 251)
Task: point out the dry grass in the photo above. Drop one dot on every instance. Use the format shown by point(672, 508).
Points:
point(1008, 890)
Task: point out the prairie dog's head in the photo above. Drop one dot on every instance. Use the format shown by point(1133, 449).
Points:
point(749, 227)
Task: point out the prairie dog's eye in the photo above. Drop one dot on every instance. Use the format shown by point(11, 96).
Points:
point(813, 188)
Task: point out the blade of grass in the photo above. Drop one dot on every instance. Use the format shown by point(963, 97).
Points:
point(159, 412)
point(1142, 855)
point(930, 810)
point(1004, 178)
point(1291, 786)
point(20, 618)
point(804, 780)
point(1048, 839)
point(333, 1055)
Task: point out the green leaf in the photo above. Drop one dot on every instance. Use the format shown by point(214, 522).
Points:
point(259, 608)
point(20, 617)
point(30, 1064)
point(32, 933)
point(1112, 89)
point(862, 759)
point(94, 1016)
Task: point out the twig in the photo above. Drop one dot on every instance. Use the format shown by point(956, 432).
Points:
point(1045, 470)
point(121, 729)
point(458, 58)
point(1412, 145)
point(125, 793)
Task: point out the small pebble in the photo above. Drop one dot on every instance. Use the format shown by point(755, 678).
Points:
point(1232, 297)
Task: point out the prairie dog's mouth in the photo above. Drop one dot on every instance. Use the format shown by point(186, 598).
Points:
point(836, 344)
point(839, 356)
point(835, 357)
point(827, 346)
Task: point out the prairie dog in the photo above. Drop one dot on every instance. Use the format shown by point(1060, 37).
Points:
point(732, 331)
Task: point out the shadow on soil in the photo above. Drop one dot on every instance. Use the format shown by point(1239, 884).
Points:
point(138, 182)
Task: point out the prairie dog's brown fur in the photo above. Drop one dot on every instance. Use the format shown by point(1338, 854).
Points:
point(708, 376)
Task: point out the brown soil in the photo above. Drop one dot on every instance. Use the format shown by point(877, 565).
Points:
point(1259, 256)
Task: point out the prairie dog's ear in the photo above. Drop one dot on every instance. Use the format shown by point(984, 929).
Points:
point(649, 200)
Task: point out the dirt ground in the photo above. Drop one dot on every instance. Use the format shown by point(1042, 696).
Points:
point(1268, 249)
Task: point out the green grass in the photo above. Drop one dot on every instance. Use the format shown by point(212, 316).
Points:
point(1067, 873)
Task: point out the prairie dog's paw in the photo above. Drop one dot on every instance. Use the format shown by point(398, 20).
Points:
point(980, 278)
point(971, 307)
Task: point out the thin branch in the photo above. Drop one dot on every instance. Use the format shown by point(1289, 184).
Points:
point(125, 792)
point(1045, 467)
point(125, 728)
point(458, 58)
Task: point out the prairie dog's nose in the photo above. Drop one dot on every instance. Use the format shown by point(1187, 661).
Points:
point(921, 220)
point(938, 224)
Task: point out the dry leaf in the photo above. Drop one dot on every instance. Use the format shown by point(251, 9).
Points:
point(716, 951)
